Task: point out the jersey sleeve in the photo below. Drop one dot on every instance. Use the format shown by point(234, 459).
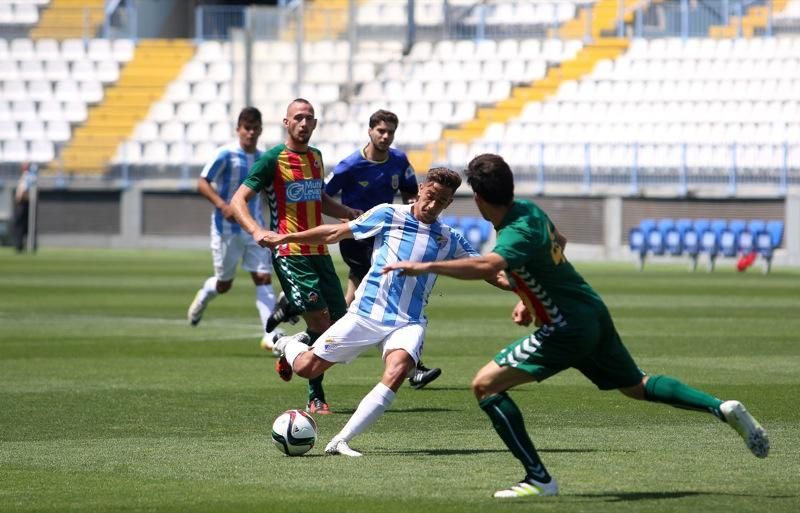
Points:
point(213, 168)
point(371, 222)
point(462, 247)
point(334, 182)
point(517, 243)
point(262, 174)
point(408, 182)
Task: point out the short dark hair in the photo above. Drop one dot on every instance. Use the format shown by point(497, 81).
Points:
point(444, 176)
point(491, 178)
point(299, 100)
point(383, 116)
point(249, 115)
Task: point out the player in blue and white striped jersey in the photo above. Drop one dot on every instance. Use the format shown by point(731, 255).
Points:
point(229, 243)
point(388, 308)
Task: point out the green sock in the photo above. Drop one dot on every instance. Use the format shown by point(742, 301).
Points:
point(315, 390)
point(668, 390)
point(507, 421)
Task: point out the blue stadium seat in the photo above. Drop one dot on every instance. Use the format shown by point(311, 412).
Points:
point(476, 230)
point(674, 236)
point(709, 240)
point(747, 238)
point(729, 238)
point(647, 224)
point(655, 237)
point(775, 230)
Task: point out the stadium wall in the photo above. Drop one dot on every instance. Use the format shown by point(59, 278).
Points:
point(168, 214)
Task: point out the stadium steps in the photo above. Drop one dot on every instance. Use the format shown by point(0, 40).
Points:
point(326, 20)
point(62, 19)
point(600, 19)
point(155, 64)
point(573, 69)
point(756, 18)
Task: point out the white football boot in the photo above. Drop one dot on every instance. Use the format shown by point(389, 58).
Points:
point(755, 436)
point(528, 488)
point(196, 309)
point(340, 447)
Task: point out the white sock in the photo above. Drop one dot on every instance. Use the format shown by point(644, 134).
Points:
point(209, 290)
point(292, 350)
point(369, 410)
point(265, 302)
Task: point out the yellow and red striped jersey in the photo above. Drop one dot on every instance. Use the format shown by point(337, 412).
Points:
point(292, 187)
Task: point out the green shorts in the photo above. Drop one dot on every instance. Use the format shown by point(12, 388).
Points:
point(311, 283)
point(594, 348)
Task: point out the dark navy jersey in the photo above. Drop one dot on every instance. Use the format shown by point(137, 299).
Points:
point(365, 183)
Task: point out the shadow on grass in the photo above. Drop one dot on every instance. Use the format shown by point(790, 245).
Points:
point(646, 496)
point(350, 411)
point(465, 452)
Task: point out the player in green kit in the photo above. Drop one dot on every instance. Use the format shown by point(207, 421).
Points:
point(575, 327)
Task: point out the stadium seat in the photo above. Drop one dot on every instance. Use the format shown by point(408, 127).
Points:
point(729, 237)
point(767, 240)
point(775, 230)
point(476, 230)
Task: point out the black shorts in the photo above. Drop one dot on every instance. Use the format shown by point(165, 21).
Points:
point(357, 254)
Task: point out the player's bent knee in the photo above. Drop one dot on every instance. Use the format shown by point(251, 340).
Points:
point(482, 386)
point(262, 279)
point(224, 286)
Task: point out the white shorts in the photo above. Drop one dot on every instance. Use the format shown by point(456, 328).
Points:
point(228, 249)
point(353, 334)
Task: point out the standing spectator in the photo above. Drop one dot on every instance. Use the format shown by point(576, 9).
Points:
point(19, 230)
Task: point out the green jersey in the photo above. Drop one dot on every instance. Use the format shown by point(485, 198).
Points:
point(554, 292)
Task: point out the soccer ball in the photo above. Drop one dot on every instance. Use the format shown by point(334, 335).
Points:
point(294, 432)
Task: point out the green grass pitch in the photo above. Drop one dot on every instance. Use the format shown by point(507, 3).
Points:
point(110, 402)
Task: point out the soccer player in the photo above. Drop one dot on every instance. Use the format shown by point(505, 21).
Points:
point(229, 243)
point(366, 178)
point(290, 175)
point(575, 327)
point(387, 312)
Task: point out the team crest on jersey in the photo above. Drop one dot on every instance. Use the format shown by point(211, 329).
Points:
point(395, 181)
point(329, 343)
point(441, 240)
point(363, 183)
point(313, 297)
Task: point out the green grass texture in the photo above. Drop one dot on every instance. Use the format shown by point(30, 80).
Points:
point(111, 402)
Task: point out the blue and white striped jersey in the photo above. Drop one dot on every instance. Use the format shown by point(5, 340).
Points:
point(227, 171)
point(393, 298)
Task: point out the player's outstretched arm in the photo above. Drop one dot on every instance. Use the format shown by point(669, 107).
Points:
point(322, 234)
point(474, 268)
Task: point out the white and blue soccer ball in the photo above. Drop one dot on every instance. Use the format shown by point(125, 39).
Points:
point(294, 432)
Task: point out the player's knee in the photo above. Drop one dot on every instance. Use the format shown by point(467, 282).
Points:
point(224, 286)
point(262, 279)
point(636, 391)
point(481, 386)
point(303, 366)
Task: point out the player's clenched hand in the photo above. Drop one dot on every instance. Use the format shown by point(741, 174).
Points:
point(266, 238)
point(521, 315)
point(407, 268)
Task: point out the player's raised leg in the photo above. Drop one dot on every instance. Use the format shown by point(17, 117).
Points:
point(668, 390)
